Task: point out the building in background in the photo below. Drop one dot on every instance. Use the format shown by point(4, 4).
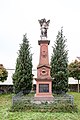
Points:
point(7, 86)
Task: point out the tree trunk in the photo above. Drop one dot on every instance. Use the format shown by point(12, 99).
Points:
point(78, 86)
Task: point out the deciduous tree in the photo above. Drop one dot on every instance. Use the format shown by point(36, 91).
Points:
point(3, 73)
point(74, 70)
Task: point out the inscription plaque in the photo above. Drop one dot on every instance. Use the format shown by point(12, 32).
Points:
point(43, 88)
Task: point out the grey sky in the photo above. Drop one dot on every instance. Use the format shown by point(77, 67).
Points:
point(18, 17)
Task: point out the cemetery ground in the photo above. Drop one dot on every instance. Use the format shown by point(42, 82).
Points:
point(5, 114)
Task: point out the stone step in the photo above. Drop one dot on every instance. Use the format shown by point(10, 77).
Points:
point(43, 98)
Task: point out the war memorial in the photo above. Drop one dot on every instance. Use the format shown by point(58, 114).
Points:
point(43, 80)
point(43, 94)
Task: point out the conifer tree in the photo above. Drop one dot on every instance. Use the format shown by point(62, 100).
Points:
point(59, 65)
point(22, 78)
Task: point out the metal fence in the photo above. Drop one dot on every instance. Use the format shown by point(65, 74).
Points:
point(21, 98)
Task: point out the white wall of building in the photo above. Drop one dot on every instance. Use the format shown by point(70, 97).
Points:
point(9, 80)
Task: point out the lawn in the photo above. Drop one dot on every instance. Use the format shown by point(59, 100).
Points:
point(5, 114)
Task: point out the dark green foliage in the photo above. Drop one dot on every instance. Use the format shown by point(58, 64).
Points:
point(59, 64)
point(61, 103)
point(3, 73)
point(74, 70)
point(59, 107)
point(22, 78)
point(27, 105)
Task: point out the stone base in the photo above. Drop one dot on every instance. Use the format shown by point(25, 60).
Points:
point(44, 98)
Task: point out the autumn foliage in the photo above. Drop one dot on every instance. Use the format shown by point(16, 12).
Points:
point(3, 73)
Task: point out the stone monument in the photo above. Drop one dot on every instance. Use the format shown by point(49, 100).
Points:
point(43, 80)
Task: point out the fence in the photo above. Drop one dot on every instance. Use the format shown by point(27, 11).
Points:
point(20, 98)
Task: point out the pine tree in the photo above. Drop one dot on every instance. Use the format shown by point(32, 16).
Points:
point(22, 78)
point(59, 65)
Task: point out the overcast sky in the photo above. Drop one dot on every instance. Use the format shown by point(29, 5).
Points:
point(18, 17)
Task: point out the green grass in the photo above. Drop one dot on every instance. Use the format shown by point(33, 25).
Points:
point(76, 99)
point(5, 114)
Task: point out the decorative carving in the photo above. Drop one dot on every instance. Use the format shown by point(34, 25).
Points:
point(44, 26)
point(43, 51)
point(43, 72)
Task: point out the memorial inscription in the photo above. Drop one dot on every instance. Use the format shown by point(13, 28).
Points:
point(43, 88)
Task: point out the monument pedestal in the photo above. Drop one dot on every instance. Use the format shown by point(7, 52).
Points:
point(43, 89)
point(43, 80)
